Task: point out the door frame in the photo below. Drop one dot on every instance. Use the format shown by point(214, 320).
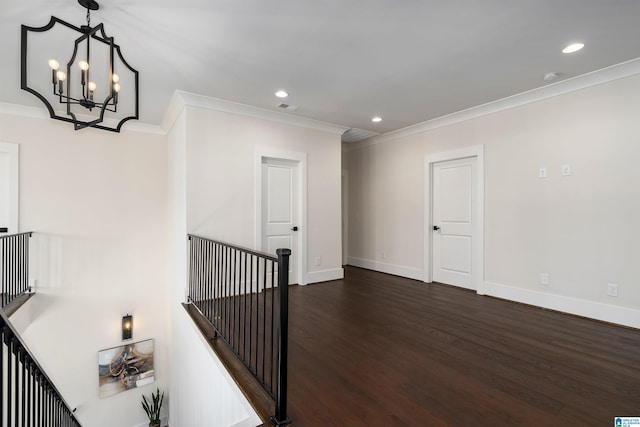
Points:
point(14, 163)
point(478, 245)
point(301, 160)
point(344, 183)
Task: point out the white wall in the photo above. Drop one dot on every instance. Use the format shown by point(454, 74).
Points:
point(581, 229)
point(97, 202)
point(221, 193)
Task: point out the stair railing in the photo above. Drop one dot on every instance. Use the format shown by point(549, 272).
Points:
point(14, 266)
point(244, 295)
point(28, 396)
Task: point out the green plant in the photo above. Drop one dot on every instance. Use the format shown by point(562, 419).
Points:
point(153, 409)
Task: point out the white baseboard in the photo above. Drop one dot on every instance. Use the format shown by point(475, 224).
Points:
point(324, 275)
point(605, 312)
point(397, 270)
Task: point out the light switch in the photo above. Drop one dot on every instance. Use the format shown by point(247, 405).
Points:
point(566, 170)
point(542, 172)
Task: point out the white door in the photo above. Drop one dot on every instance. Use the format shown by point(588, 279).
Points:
point(8, 188)
point(280, 210)
point(454, 218)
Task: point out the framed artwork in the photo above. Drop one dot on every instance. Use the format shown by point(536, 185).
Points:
point(125, 367)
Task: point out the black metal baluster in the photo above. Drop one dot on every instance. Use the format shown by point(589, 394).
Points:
point(2, 362)
point(16, 380)
point(250, 308)
point(216, 291)
point(244, 298)
point(200, 273)
point(9, 368)
point(203, 277)
point(232, 296)
point(256, 318)
point(28, 401)
point(208, 292)
point(190, 277)
point(23, 385)
point(225, 281)
point(264, 316)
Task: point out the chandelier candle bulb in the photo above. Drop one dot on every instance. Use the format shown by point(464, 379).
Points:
point(84, 66)
point(54, 67)
point(61, 75)
point(92, 87)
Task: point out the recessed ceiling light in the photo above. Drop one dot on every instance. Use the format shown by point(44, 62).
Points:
point(573, 48)
point(551, 75)
point(376, 119)
point(282, 94)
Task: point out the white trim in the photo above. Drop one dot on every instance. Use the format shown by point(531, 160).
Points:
point(293, 156)
point(42, 113)
point(180, 99)
point(605, 75)
point(396, 270)
point(171, 114)
point(605, 312)
point(478, 246)
point(14, 191)
point(325, 275)
point(23, 110)
point(344, 212)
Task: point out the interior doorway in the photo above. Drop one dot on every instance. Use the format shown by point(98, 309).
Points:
point(8, 188)
point(281, 207)
point(454, 217)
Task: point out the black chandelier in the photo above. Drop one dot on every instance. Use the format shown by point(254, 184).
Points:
point(88, 104)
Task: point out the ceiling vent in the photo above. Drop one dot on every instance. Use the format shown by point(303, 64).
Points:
point(287, 106)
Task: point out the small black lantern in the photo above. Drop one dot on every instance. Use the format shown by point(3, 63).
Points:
point(127, 327)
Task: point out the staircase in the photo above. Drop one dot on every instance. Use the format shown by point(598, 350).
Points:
point(29, 397)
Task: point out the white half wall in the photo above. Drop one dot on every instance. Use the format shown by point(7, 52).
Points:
point(208, 395)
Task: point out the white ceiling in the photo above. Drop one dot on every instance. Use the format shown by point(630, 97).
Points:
point(342, 61)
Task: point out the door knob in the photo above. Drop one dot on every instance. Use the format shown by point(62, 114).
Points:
point(436, 228)
point(294, 229)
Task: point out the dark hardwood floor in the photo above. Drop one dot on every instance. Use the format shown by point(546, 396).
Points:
point(380, 350)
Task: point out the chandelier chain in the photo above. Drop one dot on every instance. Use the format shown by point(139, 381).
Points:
point(88, 17)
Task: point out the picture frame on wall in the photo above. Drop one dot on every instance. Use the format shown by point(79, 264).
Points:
point(125, 367)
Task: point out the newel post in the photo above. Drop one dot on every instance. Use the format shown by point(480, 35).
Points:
point(280, 417)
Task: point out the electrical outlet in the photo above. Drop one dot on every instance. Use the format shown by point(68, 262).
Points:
point(383, 255)
point(318, 260)
point(612, 289)
point(542, 172)
point(566, 170)
point(544, 279)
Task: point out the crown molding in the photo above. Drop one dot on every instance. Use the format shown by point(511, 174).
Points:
point(181, 99)
point(23, 111)
point(42, 113)
point(604, 75)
